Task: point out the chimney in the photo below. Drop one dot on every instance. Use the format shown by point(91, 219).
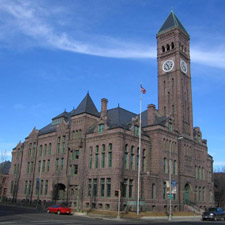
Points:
point(104, 102)
point(151, 114)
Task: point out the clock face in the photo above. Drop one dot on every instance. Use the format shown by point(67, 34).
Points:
point(168, 65)
point(183, 66)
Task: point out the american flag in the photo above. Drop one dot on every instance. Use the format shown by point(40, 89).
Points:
point(143, 90)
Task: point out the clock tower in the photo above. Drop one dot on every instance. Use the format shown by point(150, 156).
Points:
point(174, 77)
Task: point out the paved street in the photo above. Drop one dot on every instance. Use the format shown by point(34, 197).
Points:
point(23, 215)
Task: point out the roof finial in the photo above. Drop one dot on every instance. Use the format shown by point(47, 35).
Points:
point(65, 110)
point(88, 92)
point(118, 105)
point(171, 8)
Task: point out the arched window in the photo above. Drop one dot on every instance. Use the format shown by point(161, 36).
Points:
point(163, 49)
point(110, 155)
point(172, 45)
point(132, 158)
point(167, 47)
point(96, 156)
point(165, 169)
point(125, 160)
point(103, 157)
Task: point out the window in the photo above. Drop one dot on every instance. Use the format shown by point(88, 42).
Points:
point(73, 135)
point(196, 172)
point(40, 150)
point(165, 166)
point(108, 187)
point(131, 183)
point(163, 49)
point(175, 167)
point(63, 143)
point(137, 158)
point(110, 155)
point(48, 165)
point(49, 148)
point(164, 190)
point(30, 149)
point(95, 187)
point(102, 187)
point(39, 166)
point(43, 166)
point(132, 158)
point(125, 160)
point(26, 188)
point(62, 163)
point(124, 188)
point(46, 187)
point(100, 128)
point(57, 164)
point(136, 130)
point(153, 191)
point(28, 167)
point(103, 157)
point(89, 187)
point(90, 157)
point(76, 155)
point(31, 167)
point(45, 149)
point(164, 110)
point(199, 173)
point(41, 190)
point(96, 156)
point(203, 174)
point(144, 161)
point(75, 169)
point(58, 145)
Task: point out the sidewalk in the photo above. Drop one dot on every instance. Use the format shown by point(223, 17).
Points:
point(142, 216)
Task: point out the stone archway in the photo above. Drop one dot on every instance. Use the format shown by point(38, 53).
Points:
point(59, 191)
point(188, 193)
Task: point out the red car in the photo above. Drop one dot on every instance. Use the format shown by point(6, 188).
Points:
point(59, 209)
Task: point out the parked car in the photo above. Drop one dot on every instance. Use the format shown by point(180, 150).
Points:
point(215, 213)
point(59, 209)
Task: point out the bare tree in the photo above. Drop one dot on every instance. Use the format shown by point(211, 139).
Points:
point(219, 182)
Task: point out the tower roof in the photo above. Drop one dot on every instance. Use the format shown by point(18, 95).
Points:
point(172, 22)
point(86, 106)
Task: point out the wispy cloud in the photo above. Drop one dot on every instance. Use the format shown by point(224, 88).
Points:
point(32, 20)
point(214, 58)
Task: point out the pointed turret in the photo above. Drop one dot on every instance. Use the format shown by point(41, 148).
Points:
point(171, 23)
point(86, 106)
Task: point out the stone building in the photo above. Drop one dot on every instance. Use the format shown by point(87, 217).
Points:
point(84, 157)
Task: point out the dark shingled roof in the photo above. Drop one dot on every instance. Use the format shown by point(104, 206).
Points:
point(172, 22)
point(64, 114)
point(119, 117)
point(159, 120)
point(86, 106)
point(47, 129)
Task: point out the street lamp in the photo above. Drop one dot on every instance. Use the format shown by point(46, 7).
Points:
point(170, 181)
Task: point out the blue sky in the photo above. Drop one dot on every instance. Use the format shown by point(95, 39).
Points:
point(53, 52)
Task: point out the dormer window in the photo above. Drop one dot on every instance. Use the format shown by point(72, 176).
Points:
point(56, 121)
point(136, 130)
point(100, 128)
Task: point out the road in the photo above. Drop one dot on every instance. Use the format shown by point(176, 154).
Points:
point(11, 215)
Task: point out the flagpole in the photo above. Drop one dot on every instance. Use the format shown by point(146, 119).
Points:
point(139, 159)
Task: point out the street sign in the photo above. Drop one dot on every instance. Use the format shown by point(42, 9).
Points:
point(170, 196)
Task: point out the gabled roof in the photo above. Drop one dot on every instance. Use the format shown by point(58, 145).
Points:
point(172, 22)
point(86, 106)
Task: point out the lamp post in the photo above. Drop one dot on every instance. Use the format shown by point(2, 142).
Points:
point(170, 181)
